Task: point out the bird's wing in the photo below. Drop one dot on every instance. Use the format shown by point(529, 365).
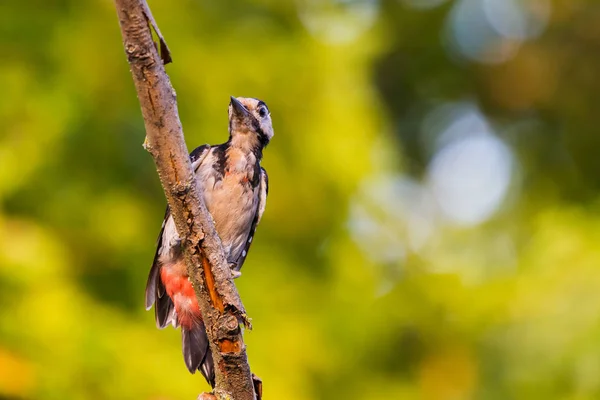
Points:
point(152, 286)
point(198, 154)
point(263, 191)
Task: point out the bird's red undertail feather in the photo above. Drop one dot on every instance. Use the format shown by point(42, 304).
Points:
point(181, 291)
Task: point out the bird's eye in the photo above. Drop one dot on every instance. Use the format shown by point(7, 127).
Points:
point(262, 112)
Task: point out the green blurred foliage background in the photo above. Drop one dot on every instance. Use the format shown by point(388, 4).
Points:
point(433, 222)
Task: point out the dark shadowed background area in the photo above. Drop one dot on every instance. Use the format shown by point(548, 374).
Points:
point(433, 226)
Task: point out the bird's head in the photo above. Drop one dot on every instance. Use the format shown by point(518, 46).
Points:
point(249, 122)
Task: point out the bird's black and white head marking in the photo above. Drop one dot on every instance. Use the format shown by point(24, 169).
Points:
point(250, 120)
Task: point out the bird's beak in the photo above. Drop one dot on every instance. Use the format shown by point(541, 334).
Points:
point(238, 108)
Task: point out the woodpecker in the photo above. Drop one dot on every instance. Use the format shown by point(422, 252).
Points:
point(234, 187)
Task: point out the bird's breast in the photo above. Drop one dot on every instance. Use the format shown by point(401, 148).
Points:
point(232, 202)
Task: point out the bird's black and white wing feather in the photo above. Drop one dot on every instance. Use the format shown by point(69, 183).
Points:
point(263, 191)
point(153, 278)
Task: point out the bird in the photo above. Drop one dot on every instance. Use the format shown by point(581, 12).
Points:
point(234, 187)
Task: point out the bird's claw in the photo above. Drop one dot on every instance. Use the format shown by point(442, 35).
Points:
point(234, 272)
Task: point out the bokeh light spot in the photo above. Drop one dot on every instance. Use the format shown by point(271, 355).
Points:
point(470, 177)
point(492, 31)
point(338, 21)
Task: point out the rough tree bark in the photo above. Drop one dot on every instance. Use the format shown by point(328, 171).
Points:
point(209, 272)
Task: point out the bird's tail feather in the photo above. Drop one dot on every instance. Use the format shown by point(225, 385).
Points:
point(196, 351)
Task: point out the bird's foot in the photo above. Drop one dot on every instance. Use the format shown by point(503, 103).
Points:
point(234, 273)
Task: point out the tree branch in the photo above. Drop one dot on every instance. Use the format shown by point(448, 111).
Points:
point(209, 272)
